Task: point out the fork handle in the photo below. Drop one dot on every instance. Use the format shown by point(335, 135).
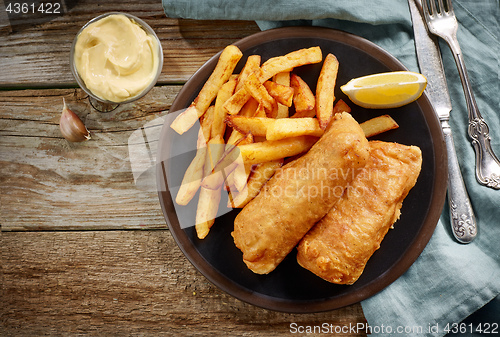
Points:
point(487, 164)
point(463, 222)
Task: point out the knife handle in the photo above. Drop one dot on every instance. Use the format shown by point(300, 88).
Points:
point(463, 221)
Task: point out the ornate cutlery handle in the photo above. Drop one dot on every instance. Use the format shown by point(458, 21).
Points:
point(463, 222)
point(487, 164)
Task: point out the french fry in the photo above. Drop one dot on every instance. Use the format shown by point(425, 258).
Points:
point(283, 79)
point(239, 176)
point(237, 101)
point(257, 126)
point(194, 173)
point(305, 113)
point(341, 106)
point(293, 127)
point(250, 108)
point(186, 119)
point(289, 61)
point(215, 150)
point(227, 162)
point(234, 173)
point(324, 90)
point(251, 65)
point(208, 199)
point(273, 113)
point(260, 112)
point(259, 176)
point(378, 125)
point(225, 92)
point(258, 91)
point(206, 123)
point(206, 212)
point(272, 67)
point(303, 99)
point(269, 150)
point(222, 72)
point(281, 93)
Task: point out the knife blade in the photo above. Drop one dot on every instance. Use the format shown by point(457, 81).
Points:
point(463, 222)
point(429, 62)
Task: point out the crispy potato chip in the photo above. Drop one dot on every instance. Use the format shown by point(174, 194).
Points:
point(258, 91)
point(293, 127)
point(186, 119)
point(227, 162)
point(305, 113)
point(378, 125)
point(206, 123)
point(257, 126)
point(260, 112)
point(250, 108)
point(233, 171)
point(259, 176)
point(283, 79)
point(281, 93)
point(251, 65)
point(272, 67)
point(237, 101)
point(303, 99)
point(208, 200)
point(222, 72)
point(325, 90)
point(240, 176)
point(341, 106)
point(206, 212)
point(215, 150)
point(289, 61)
point(225, 92)
point(261, 152)
point(194, 173)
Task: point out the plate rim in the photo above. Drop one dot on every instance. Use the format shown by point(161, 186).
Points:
point(413, 250)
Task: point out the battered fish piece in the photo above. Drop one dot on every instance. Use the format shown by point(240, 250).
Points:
point(299, 195)
point(339, 246)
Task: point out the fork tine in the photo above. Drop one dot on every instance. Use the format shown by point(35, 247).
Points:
point(441, 9)
point(425, 7)
point(433, 7)
point(449, 7)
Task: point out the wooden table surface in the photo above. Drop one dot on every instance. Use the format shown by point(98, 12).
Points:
point(86, 250)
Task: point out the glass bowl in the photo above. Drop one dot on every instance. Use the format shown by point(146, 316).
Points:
point(97, 102)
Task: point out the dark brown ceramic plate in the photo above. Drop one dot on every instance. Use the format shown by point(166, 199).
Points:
point(290, 288)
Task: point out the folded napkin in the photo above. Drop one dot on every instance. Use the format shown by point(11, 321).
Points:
point(449, 281)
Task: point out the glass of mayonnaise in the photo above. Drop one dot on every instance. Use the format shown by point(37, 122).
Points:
point(116, 58)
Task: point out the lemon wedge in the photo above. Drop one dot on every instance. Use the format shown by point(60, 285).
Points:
point(385, 90)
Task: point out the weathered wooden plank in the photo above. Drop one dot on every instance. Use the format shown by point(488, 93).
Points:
point(49, 183)
point(122, 283)
point(37, 55)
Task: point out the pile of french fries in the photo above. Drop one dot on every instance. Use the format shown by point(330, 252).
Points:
point(251, 121)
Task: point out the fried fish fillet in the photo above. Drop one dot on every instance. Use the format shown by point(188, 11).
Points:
point(299, 195)
point(338, 247)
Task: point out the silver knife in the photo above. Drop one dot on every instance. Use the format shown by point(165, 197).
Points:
point(463, 222)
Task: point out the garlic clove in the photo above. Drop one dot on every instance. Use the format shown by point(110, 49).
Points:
point(71, 126)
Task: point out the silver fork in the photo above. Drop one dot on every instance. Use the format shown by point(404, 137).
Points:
point(442, 22)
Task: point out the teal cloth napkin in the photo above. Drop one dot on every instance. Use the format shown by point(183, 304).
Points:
point(449, 281)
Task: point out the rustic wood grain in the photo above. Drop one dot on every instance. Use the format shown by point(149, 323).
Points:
point(37, 54)
point(48, 183)
point(124, 283)
point(71, 265)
